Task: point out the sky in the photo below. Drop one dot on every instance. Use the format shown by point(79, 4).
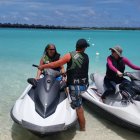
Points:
point(81, 13)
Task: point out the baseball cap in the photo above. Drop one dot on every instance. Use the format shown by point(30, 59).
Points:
point(82, 43)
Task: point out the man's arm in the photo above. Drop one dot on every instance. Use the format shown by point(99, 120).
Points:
point(65, 59)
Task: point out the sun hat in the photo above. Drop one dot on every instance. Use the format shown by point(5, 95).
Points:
point(82, 43)
point(117, 49)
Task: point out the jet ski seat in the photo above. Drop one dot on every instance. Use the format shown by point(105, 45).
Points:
point(98, 79)
point(99, 83)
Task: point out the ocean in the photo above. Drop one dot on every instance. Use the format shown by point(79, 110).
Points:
point(20, 48)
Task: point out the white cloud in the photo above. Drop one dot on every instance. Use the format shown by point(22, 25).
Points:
point(32, 14)
point(59, 13)
point(88, 13)
point(5, 2)
point(3, 17)
point(110, 1)
point(14, 13)
point(91, 12)
point(26, 18)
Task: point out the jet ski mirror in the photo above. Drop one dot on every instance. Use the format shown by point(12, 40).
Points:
point(92, 77)
point(32, 81)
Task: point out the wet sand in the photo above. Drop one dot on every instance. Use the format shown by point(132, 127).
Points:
point(97, 128)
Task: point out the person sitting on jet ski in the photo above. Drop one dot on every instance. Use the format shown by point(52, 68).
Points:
point(115, 68)
point(77, 76)
point(50, 55)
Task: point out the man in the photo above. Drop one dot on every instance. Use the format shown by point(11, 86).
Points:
point(77, 76)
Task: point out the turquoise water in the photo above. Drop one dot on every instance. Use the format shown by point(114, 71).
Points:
point(20, 48)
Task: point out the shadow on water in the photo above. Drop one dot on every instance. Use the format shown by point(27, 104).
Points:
point(120, 131)
point(19, 133)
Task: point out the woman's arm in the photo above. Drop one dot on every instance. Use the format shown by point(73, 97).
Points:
point(109, 62)
point(128, 63)
point(113, 68)
point(39, 71)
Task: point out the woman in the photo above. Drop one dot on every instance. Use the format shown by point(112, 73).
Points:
point(50, 55)
point(115, 68)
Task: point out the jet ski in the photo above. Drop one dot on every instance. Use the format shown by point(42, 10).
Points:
point(123, 107)
point(44, 107)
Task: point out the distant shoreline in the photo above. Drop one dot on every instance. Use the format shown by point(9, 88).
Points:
point(9, 25)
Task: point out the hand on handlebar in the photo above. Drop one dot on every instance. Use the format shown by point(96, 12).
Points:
point(119, 74)
point(64, 77)
point(40, 67)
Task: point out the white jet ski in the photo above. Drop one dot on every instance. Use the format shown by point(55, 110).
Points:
point(123, 107)
point(44, 106)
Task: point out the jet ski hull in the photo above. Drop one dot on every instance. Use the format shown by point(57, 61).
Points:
point(44, 109)
point(125, 113)
point(112, 118)
point(43, 130)
point(43, 126)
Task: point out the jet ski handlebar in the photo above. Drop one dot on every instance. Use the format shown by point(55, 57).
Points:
point(56, 75)
point(35, 65)
point(130, 75)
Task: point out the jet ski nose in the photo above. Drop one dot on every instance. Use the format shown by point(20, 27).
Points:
point(47, 96)
point(44, 114)
point(44, 110)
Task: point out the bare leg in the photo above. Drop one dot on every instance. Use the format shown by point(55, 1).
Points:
point(81, 118)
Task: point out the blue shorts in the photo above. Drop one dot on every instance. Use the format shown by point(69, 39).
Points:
point(59, 78)
point(75, 94)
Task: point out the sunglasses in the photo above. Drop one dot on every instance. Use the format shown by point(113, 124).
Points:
point(51, 49)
